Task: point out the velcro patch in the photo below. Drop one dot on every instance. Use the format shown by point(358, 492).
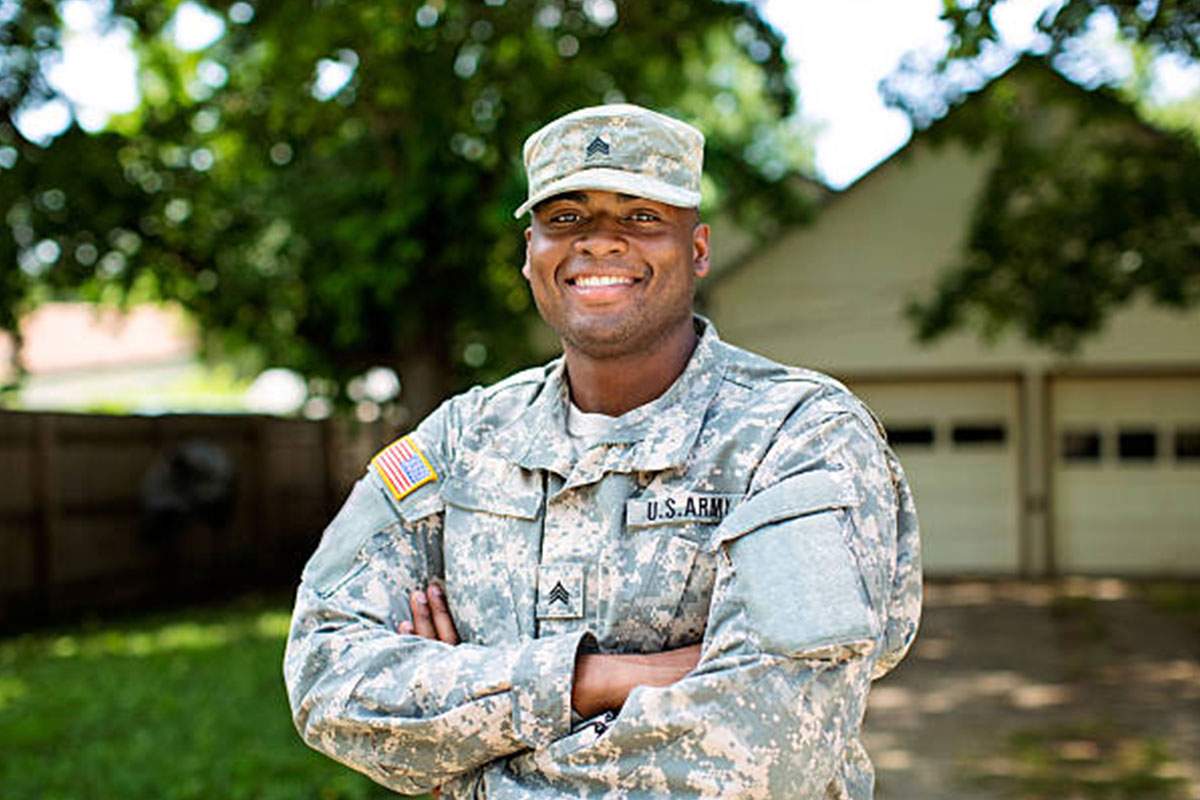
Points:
point(403, 467)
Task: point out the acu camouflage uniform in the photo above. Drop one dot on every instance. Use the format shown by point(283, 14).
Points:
point(752, 507)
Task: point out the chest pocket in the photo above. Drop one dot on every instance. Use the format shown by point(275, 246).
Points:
point(656, 592)
point(490, 544)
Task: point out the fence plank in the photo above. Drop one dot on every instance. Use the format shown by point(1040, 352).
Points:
point(74, 534)
point(49, 512)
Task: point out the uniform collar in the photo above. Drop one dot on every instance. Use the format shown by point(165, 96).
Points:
point(656, 436)
point(538, 438)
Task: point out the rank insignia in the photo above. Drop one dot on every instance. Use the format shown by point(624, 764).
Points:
point(598, 147)
point(560, 590)
point(403, 467)
point(559, 594)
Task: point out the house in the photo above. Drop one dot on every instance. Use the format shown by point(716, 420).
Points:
point(83, 356)
point(1022, 461)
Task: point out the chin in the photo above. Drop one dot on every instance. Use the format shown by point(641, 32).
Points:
point(611, 338)
point(598, 338)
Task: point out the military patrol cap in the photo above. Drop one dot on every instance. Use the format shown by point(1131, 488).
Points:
point(618, 148)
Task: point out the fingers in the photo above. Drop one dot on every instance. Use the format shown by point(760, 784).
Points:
point(422, 621)
point(430, 616)
point(443, 623)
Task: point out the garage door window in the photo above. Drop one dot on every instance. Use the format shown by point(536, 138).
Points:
point(910, 435)
point(1187, 445)
point(1081, 446)
point(1137, 445)
point(974, 434)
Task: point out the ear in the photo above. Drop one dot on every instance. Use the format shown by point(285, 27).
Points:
point(700, 251)
point(525, 267)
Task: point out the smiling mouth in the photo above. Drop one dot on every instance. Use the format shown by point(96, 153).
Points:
point(598, 281)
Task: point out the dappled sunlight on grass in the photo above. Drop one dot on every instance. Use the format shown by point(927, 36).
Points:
point(11, 689)
point(178, 706)
point(184, 636)
point(166, 638)
point(273, 624)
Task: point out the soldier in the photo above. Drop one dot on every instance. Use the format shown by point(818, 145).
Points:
point(659, 565)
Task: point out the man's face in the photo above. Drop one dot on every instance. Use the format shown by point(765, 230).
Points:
point(614, 274)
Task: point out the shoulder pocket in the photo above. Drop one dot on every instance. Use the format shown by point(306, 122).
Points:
point(365, 513)
point(793, 572)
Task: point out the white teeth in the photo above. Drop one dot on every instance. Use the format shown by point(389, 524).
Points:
point(603, 280)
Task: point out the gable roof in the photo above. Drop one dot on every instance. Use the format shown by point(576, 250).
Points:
point(1030, 70)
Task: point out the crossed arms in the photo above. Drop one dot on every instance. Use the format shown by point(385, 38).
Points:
point(602, 681)
point(769, 704)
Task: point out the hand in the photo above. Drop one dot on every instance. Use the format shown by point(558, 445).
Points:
point(603, 682)
point(431, 616)
point(431, 620)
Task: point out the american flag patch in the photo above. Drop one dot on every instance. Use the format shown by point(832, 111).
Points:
point(403, 467)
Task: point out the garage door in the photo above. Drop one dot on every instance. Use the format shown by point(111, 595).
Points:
point(959, 443)
point(1127, 474)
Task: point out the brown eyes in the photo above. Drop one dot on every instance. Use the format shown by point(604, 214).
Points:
point(571, 217)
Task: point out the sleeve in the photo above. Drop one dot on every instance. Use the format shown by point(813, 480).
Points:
point(795, 629)
point(410, 713)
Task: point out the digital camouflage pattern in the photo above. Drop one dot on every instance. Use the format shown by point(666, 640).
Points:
point(754, 508)
point(618, 148)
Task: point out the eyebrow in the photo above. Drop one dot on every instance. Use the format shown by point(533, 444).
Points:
point(577, 197)
point(581, 197)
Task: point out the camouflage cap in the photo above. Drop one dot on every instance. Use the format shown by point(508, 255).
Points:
point(617, 148)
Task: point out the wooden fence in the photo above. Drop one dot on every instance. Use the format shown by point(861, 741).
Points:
point(76, 494)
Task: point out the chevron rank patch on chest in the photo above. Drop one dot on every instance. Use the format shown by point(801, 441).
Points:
point(560, 591)
point(403, 467)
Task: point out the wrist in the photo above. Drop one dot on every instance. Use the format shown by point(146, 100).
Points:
point(601, 683)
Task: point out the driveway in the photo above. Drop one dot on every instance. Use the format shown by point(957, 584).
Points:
point(1080, 688)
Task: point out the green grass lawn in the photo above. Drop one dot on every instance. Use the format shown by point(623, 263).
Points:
point(167, 707)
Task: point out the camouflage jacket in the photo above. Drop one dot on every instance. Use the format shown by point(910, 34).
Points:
point(752, 507)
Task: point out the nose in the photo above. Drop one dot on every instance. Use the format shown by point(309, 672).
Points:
point(601, 240)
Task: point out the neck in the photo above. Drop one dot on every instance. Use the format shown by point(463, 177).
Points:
point(615, 384)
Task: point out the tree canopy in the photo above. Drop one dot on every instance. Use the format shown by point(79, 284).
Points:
point(1083, 213)
point(329, 186)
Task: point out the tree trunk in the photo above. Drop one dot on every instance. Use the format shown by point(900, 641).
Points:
point(426, 379)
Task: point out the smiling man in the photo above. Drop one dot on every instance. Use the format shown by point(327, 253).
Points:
point(658, 566)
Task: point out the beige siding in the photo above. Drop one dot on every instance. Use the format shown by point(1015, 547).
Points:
point(831, 295)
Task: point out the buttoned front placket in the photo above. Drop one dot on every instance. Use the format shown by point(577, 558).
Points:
point(590, 563)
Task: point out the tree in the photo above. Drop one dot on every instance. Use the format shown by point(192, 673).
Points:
point(329, 185)
point(1081, 214)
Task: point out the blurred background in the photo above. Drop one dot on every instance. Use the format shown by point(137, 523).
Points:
point(246, 244)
